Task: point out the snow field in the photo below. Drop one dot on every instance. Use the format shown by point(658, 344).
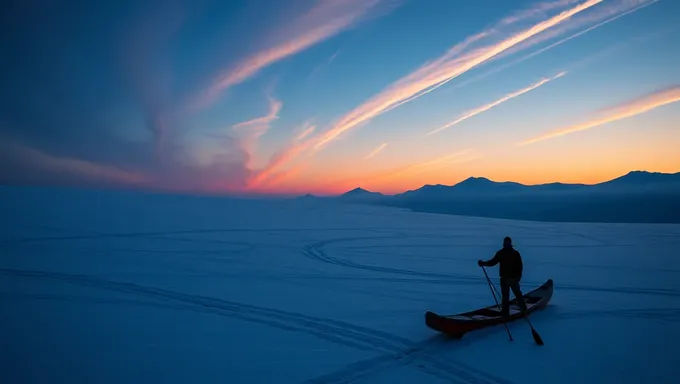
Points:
point(112, 287)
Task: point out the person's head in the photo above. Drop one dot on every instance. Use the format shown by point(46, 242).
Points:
point(507, 242)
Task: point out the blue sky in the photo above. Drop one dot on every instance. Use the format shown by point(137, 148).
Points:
point(214, 96)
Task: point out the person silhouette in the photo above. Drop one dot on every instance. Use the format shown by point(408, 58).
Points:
point(510, 272)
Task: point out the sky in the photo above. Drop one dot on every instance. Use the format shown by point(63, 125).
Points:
point(302, 96)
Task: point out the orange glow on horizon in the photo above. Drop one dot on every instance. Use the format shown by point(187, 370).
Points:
point(381, 182)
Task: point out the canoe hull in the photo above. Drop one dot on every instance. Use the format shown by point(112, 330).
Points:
point(460, 324)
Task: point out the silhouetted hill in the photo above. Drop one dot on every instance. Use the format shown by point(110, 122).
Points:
point(643, 182)
point(361, 194)
point(638, 196)
point(636, 181)
point(476, 186)
point(645, 178)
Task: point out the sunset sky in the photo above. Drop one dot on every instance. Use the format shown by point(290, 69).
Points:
point(298, 96)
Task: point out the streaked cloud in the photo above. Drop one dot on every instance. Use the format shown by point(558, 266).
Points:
point(58, 166)
point(502, 100)
point(278, 161)
point(261, 124)
point(537, 10)
point(602, 14)
point(324, 20)
point(250, 131)
point(632, 108)
point(325, 64)
point(440, 71)
point(306, 130)
point(562, 41)
point(377, 150)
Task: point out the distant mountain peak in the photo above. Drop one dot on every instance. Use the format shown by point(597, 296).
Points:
point(483, 182)
point(645, 177)
point(641, 172)
point(358, 191)
point(476, 180)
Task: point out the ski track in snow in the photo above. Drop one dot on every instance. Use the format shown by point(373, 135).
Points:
point(398, 350)
point(315, 251)
point(354, 254)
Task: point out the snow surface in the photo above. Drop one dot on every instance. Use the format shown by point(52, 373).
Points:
point(119, 287)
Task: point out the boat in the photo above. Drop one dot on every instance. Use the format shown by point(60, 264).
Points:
point(460, 324)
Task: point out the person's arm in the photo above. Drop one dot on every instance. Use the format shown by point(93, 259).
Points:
point(519, 262)
point(490, 263)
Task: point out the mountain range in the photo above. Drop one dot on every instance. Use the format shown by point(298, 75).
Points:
point(638, 196)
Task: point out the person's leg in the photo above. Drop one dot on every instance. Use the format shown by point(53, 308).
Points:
point(516, 290)
point(505, 292)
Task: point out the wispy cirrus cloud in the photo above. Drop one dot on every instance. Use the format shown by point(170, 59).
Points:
point(427, 78)
point(629, 109)
point(486, 107)
point(306, 130)
point(537, 10)
point(326, 19)
point(18, 158)
point(643, 4)
point(250, 131)
point(277, 162)
point(274, 171)
point(375, 151)
point(601, 15)
point(624, 11)
point(260, 125)
point(325, 64)
point(441, 71)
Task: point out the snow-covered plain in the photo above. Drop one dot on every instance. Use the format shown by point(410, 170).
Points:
point(120, 287)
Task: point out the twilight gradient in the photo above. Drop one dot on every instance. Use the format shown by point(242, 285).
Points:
point(273, 97)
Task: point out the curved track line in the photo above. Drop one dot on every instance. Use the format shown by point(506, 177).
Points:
point(360, 337)
point(315, 251)
point(394, 347)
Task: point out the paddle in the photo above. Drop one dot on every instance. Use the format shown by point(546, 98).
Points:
point(534, 333)
point(491, 287)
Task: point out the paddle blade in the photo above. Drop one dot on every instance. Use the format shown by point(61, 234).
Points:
point(537, 337)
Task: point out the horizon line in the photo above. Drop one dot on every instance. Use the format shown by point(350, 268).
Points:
point(268, 194)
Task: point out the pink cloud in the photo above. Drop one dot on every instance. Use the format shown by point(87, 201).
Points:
point(376, 150)
point(279, 160)
point(324, 20)
point(261, 124)
point(250, 131)
point(306, 130)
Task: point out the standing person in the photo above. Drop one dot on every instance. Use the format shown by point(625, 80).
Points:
point(510, 273)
